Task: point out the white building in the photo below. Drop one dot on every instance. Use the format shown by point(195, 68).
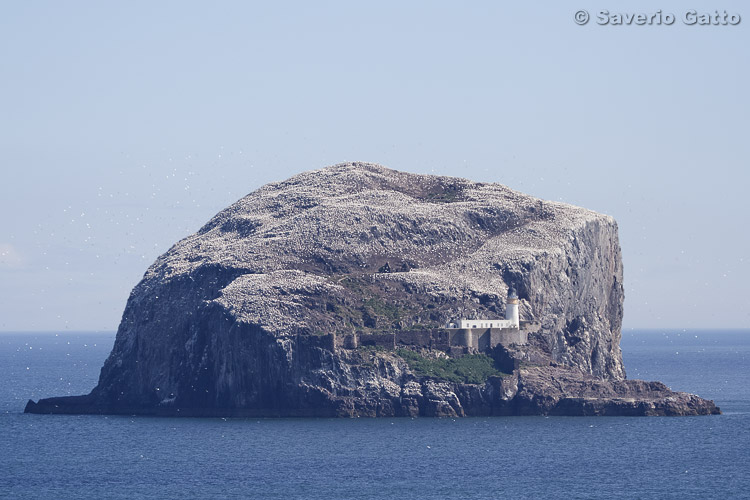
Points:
point(511, 317)
point(485, 323)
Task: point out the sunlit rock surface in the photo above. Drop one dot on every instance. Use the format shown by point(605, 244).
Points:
point(240, 318)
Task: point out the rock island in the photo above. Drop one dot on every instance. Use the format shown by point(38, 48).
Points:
point(360, 291)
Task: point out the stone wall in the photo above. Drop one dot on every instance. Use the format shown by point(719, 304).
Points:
point(387, 340)
point(484, 339)
point(441, 339)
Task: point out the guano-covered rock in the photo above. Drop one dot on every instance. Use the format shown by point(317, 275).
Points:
point(269, 308)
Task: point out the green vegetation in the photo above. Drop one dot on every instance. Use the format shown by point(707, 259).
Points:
point(471, 369)
point(371, 309)
point(382, 308)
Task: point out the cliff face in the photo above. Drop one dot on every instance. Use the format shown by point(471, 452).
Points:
point(237, 318)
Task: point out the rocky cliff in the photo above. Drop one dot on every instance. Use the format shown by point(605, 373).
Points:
point(242, 317)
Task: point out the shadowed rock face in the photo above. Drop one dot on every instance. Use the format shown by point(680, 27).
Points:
point(236, 319)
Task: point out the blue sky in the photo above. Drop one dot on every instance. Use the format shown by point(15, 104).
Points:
point(126, 126)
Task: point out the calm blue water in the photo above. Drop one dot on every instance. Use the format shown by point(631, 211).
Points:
point(56, 456)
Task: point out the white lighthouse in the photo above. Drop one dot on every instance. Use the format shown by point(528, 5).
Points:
point(511, 308)
point(484, 334)
point(511, 317)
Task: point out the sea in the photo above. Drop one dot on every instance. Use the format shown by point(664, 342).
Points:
point(62, 456)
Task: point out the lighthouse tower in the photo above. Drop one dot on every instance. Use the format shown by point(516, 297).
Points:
point(511, 308)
